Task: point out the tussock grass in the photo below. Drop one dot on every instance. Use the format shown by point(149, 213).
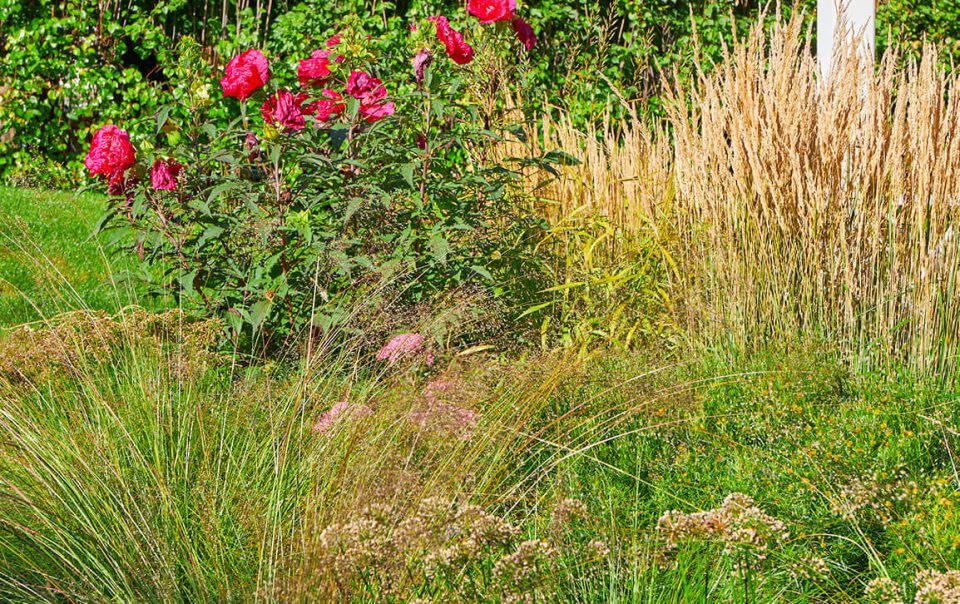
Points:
point(150, 473)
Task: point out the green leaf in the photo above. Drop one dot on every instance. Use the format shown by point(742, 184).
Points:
point(439, 247)
point(259, 313)
point(407, 171)
point(162, 117)
point(482, 272)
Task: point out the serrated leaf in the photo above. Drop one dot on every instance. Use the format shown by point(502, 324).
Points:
point(439, 247)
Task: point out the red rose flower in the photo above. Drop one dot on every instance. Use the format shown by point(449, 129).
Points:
point(110, 152)
point(373, 111)
point(245, 74)
point(361, 85)
point(315, 70)
point(489, 11)
point(282, 108)
point(163, 174)
point(369, 90)
point(326, 108)
point(333, 40)
point(525, 33)
point(117, 184)
point(457, 49)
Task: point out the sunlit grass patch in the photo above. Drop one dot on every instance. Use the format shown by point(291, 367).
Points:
point(49, 260)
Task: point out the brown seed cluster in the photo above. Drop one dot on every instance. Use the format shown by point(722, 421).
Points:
point(746, 531)
point(934, 587)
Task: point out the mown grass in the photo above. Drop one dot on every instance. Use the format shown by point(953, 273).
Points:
point(50, 261)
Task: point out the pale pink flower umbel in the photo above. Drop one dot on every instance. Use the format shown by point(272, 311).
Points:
point(340, 411)
point(400, 346)
point(442, 416)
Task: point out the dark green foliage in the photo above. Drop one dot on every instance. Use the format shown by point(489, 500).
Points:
point(69, 67)
point(268, 224)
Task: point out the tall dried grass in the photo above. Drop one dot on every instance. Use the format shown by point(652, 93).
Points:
point(794, 208)
point(622, 172)
point(822, 208)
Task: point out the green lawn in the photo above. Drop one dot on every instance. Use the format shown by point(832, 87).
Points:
point(49, 260)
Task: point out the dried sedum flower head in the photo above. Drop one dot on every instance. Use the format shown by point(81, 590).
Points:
point(567, 511)
point(934, 587)
point(523, 574)
point(746, 531)
point(883, 590)
point(598, 549)
point(811, 568)
point(875, 494)
point(439, 538)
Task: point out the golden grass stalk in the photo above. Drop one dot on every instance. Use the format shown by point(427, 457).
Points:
point(794, 208)
point(822, 209)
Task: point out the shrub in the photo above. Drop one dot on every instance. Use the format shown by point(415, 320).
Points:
point(338, 183)
point(69, 63)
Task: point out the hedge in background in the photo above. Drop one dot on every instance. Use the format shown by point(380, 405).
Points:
point(67, 67)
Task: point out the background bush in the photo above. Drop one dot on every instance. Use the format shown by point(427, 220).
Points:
point(69, 66)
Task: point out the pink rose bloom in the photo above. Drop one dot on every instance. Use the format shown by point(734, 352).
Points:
point(489, 11)
point(340, 411)
point(333, 40)
point(374, 112)
point(282, 108)
point(457, 48)
point(110, 152)
point(163, 174)
point(315, 71)
point(245, 74)
point(525, 33)
point(400, 346)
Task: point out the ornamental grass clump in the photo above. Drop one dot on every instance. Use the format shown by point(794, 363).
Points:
point(327, 178)
point(822, 209)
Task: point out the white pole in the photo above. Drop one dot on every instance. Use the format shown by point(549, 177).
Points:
point(859, 18)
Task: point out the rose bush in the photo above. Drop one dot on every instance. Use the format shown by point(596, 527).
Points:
point(337, 181)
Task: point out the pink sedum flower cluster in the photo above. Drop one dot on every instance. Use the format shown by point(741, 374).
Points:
point(341, 411)
point(403, 345)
